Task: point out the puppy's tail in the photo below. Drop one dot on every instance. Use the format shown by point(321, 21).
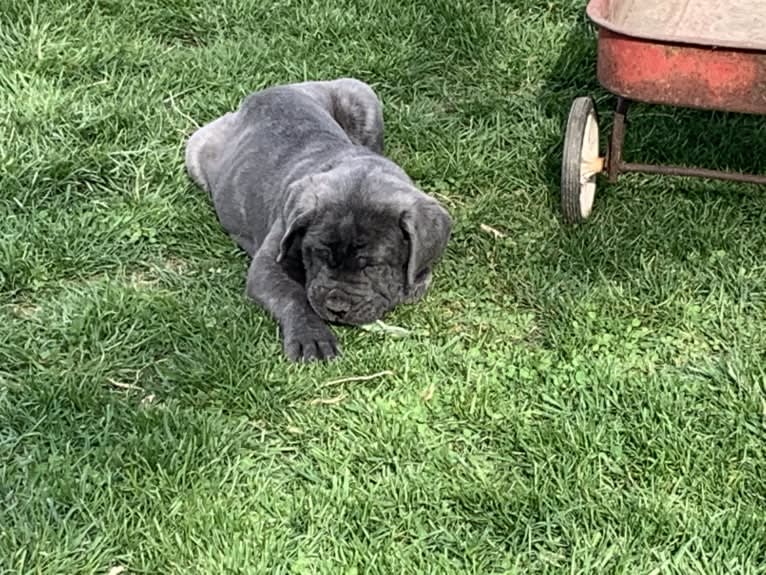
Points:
point(204, 149)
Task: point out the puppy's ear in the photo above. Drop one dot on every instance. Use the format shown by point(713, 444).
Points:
point(427, 226)
point(298, 211)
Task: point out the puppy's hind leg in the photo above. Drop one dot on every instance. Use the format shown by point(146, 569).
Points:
point(204, 148)
point(359, 111)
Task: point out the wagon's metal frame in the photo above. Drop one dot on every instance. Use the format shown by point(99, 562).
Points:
point(614, 164)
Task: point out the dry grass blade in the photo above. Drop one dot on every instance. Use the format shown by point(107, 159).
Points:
point(490, 230)
point(122, 385)
point(149, 399)
point(328, 400)
point(384, 328)
point(170, 99)
point(356, 378)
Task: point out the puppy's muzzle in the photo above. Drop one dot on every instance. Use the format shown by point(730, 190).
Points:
point(337, 304)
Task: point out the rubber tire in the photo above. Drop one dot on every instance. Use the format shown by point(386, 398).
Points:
point(571, 188)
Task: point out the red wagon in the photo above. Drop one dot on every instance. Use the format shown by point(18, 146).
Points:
point(707, 54)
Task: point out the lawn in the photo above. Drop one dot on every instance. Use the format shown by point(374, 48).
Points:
point(586, 399)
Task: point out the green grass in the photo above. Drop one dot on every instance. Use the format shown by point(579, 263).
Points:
point(571, 400)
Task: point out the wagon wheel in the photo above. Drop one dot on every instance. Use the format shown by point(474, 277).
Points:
point(581, 162)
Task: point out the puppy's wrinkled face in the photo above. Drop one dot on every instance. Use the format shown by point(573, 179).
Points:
point(355, 263)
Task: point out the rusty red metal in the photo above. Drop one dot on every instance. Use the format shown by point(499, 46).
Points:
point(629, 167)
point(669, 69)
point(682, 75)
point(614, 157)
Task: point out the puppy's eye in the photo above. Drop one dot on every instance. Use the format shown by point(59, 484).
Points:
point(322, 253)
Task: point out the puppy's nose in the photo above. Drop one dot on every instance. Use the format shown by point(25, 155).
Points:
point(336, 304)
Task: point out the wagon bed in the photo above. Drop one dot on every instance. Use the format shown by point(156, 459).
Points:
point(739, 24)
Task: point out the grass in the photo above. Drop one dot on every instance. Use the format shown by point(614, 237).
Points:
point(571, 400)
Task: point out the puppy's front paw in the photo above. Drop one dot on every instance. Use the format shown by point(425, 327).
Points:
point(310, 343)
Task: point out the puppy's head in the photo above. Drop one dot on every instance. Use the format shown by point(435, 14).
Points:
point(365, 243)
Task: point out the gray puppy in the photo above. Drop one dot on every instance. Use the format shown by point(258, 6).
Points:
point(337, 232)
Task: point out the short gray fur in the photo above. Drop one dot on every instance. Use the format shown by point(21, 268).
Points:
point(336, 231)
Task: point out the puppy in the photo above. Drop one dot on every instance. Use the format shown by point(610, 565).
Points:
point(337, 232)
